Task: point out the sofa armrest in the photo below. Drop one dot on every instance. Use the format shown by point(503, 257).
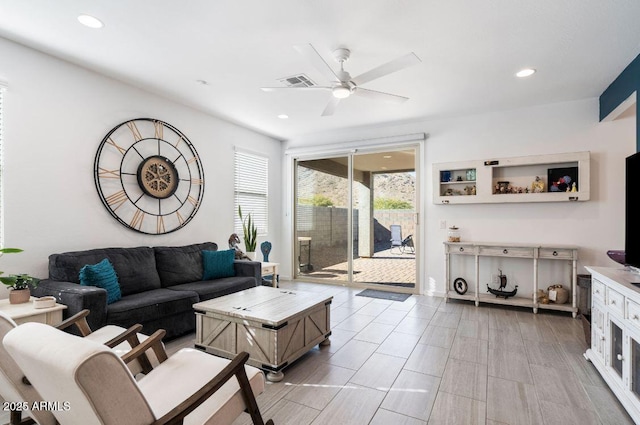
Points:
point(76, 298)
point(249, 268)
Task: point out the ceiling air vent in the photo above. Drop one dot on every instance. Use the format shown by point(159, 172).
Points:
point(300, 80)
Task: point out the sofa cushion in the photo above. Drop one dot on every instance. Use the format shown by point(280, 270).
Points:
point(149, 305)
point(217, 264)
point(135, 267)
point(209, 289)
point(181, 264)
point(103, 276)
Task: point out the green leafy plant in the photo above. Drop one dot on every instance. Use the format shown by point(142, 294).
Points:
point(250, 231)
point(391, 204)
point(17, 281)
point(20, 281)
point(317, 201)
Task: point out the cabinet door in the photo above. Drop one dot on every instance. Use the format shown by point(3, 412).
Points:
point(616, 347)
point(597, 331)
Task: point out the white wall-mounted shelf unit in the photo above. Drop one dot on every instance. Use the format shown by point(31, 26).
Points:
point(453, 185)
point(538, 257)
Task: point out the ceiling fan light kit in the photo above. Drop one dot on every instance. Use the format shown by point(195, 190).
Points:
point(341, 85)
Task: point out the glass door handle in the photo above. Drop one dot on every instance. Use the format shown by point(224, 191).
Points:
point(619, 357)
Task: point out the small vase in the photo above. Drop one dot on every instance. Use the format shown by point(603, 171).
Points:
point(19, 296)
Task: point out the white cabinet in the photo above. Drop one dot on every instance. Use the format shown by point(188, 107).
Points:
point(535, 258)
point(615, 333)
point(511, 179)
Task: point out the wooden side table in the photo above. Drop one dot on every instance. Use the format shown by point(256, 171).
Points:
point(26, 312)
point(271, 269)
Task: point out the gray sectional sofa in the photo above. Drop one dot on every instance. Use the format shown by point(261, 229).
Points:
point(159, 286)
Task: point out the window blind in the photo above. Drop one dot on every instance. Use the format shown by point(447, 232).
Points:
point(251, 190)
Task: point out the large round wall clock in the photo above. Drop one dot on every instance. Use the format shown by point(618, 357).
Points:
point(149, 176)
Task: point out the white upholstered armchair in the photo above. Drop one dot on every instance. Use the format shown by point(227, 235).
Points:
point(90, 384)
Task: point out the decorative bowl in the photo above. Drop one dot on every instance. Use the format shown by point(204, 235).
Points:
point(618, 256)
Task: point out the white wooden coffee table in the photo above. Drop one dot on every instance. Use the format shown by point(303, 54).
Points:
point(275, 326)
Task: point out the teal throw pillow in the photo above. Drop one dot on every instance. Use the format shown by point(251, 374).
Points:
point(102, 275)
point(218, 264)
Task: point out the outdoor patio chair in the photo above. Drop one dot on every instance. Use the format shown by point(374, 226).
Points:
point(94, 386)
point(15, 389)
point(399, 245)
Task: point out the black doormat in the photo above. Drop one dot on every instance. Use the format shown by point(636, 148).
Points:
point(385, 295)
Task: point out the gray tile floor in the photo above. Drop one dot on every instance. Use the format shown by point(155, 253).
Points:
point(424, 361)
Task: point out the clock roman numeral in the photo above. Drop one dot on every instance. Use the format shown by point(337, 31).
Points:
point(180, 218)
point(159, 128)
point(160, 225)
point(180, 139)
point(196, 181)
point(192, 200)
point(116, 200)
point(134, 130)
point(137, 219)
point(108, 174)
point(192, 160)
point(115, 145)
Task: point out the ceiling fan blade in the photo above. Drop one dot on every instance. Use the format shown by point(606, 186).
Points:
point(331, 107)
point(312, 55)
point(373, 94)
point(294, 88)
point(387, 68)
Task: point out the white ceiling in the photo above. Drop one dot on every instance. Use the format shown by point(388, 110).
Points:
point(469, 49)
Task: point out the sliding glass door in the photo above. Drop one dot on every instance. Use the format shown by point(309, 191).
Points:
point(322, 218)
point(356, 218)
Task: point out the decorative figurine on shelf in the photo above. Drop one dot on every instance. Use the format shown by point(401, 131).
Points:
point(265, 247)
point(537, 186)
point(574, 188)
point(234, 243)
point(562, 185)
point(543, 298)
point(503, 284)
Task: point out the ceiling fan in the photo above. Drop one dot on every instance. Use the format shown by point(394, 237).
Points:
point(342, 85)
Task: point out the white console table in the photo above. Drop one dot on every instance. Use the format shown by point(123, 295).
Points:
point(615, 333)
point(535, 253)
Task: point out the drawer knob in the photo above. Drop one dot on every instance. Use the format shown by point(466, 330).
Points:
point(461, 249)
point(613, 302)
point(597, 291)
point(602, 338)
point(555, 253)
point(505, 251)
point(619, 357)
point(635, 317)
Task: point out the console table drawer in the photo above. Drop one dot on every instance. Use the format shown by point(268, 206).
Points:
point(462, 249)
point(633, 313)
point(560, 254)
point(615, 301)
point(598, 291)
point(506, 252)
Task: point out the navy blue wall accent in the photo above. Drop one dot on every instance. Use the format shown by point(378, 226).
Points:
point(618, 91)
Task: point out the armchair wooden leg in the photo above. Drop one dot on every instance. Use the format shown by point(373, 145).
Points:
point(15, 418)
point(249, 397)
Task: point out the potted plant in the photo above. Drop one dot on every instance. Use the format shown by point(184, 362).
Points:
point(250, 234)
point(19, 284)
point(20, 287)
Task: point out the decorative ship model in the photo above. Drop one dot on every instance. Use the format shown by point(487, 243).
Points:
point(503, 284)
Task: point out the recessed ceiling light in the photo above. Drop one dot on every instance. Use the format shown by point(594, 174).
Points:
point(202, 82)
point(387, 156)
point(90, 21)
point(526, 72)
point(283, 116)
